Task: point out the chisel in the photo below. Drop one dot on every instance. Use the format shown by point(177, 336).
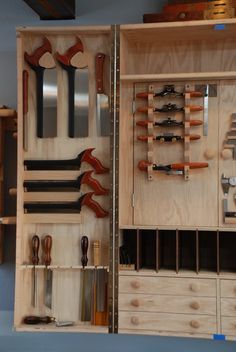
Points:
point(35, 261)
point(103, 116)
point(87, 279)
point(168, 138)
point(169, 90)
point(169, 122)
point(171, 108)
point(47, 246)
point(143, 166)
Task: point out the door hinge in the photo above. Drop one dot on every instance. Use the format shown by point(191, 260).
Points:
point(133, 107)
point(133, 200)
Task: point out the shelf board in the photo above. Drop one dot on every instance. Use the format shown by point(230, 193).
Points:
point(52, 218)
point(62, 267)
point(53, 328)
point(179, 76)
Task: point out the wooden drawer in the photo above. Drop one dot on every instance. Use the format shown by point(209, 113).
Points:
point(228, 325)
point(157, 303)
point(228, 288)
point(167, 322)
point(228, 307)
point(168, 285)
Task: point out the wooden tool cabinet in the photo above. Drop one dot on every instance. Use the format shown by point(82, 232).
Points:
point(181, 276)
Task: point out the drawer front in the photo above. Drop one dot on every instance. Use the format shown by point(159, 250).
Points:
point(228, 325)
point(228, 288)
point(158, 303)
point(228, 307)
point(166, 285)
point(167, 322)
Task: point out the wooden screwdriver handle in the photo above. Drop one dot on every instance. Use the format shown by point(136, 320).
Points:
point(47, 246)
point(35, 249)
point(84, 248)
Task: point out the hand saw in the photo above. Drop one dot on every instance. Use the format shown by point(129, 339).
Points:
point(43, 64)
point(78, 90)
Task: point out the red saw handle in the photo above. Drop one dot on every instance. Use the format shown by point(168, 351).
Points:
point(94, 162)
point(47, 246)
point(193, 94)
point(65, 59)
point(95, 206)
point(33, 59)
point(196, 165)
point(93, 183)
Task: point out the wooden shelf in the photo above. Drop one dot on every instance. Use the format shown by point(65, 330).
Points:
point(53, 328)
point(61, 267)
point(52, 218)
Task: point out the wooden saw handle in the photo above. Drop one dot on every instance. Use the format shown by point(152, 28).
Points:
point(33, 60)
point(66, 58)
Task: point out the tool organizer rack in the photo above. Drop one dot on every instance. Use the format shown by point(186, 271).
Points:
point(179, 242)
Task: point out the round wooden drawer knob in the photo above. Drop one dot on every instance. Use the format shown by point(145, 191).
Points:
point(194, 324)
point(135, 284)
point(135, 302)
point(135, 320)
point(194, 287)
point(195, 305)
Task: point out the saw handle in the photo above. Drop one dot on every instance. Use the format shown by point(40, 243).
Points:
point(47, 246)
point(33, 60)
point(34, 319)
point(87, 179)
point(84, 248)
point(35, 249)
point(65, 59)
point(93, 205)
point(99, 64)
point(87, 156)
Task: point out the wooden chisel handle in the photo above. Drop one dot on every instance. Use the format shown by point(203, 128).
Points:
point(66, 58)
point(35, 250)
point(34, 319)
point(196, 165)
point(47, 246)
point(33, 60)
point(84, 249)
point(99, 64)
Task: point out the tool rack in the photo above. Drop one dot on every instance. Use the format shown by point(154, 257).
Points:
point(181, 247)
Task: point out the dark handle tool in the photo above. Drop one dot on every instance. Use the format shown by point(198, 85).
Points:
point(64, 61)
point(35, 250)
point(47, 246)
point(143, 165)
point(85, 199)
point(168, 123)
point(33, 320)
point(71, 164)
point(171, 108)
point(84, 178)
point(84, 248)
point(167, 138)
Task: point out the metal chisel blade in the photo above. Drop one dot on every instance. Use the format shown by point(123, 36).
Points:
point(101, 289)
point(50, 103)
point(87, 282)
point(81, 125)
point(48, 289)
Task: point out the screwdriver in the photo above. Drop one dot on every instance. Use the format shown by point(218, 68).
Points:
point(35, 261)
point(47, 246)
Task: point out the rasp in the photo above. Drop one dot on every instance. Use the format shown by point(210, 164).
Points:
point(169, 122)
point(103, 116)
point(171, 108)
point(143, 166)
point(78, 90)
point(35, 261)
point(43, 64)
point(47, 246)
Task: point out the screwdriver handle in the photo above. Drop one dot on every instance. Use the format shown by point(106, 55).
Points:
point(33, 320)
point(35, 249)
point(84, 248)
point(47, 246)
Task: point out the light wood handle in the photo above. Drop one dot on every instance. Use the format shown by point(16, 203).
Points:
point(195, 305)
point(135, 302)
point(135, 284)
point(194, 324)
point(96, 253)
point(135, 320)
point(194, 287)
point(8, 220)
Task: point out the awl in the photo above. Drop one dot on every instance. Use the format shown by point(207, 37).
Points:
point(103, 116)
point(47, 246)
point(35, 261)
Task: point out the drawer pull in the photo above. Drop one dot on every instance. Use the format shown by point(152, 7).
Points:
point(194, 324)
point(135, 302)
point(135, 284)
point(195, 305)
point(194, 287)
point(135, 320)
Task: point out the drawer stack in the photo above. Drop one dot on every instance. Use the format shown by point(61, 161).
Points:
point(228, 306)
point(167, 304)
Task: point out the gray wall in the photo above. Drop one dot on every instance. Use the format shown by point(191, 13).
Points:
point(13, 14)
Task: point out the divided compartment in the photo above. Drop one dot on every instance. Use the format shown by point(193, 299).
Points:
point(167, 249)
point(188, 250)
point(227, 258)
point(208, 251)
